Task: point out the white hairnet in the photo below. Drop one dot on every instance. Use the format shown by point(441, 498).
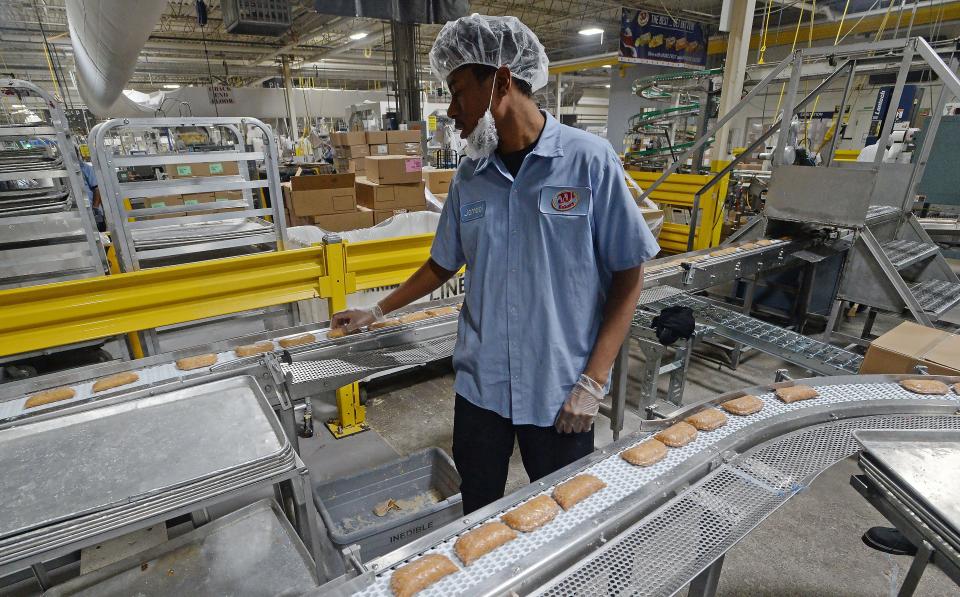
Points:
point(494, 41)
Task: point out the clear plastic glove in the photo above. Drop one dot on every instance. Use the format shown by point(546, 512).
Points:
point(581, 407)
point(353, 319)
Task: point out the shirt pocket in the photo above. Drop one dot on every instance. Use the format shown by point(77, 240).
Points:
point(565, 201)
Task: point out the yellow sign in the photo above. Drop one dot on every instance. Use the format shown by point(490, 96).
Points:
point(431, 123)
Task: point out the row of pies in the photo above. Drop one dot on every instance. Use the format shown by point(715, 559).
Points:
point(472, 545)
point(206, 360)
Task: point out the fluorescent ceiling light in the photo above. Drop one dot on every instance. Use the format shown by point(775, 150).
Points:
point(591, 31)
point(18, 106)
point(171, 86)
point(358, 35)
point(607, 85)
point(607, 66)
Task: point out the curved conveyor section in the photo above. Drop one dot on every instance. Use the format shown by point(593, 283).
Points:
point(654, 529)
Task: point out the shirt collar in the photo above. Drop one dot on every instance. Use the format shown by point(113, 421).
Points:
point(548, 146)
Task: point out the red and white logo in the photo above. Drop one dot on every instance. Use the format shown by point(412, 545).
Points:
point(565, 200)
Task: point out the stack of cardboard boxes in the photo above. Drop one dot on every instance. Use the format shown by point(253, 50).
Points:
point(392, 185)
point(328, 201)
point(177, 171)
point(350, 148)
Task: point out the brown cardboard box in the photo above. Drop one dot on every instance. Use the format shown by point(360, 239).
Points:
point(403, 136)
point(187, 170)
point(318, 202)
point(393, 169)
point(404, 149)
point(438, 181)
point(385, 214)
point(353, 151)
point(353, 220)
point(409, 195)
point(322, 181)
point(910, 344)
point(375, 196)
point(163, 201)
point(291, 218)
point(356, 165)
point(382, 149)
point(221, 169)
point(349, 138)
point(376, 137)
point(228, 196)
point(197, 198)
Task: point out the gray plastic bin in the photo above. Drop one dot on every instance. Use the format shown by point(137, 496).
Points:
point(346, 504)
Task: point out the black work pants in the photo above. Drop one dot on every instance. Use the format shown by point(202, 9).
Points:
point(483, 444)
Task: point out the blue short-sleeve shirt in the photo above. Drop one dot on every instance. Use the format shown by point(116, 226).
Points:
point(540, 252)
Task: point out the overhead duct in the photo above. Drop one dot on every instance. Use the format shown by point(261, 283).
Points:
point(107, 36)
point(404, 11)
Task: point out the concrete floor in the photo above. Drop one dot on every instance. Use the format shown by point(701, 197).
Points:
point(815, 537)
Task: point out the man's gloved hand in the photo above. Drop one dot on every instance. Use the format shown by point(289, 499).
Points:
point(581, 407)
point(354, 319)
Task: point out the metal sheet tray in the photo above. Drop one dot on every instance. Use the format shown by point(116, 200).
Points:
point(199, 231)
point(923, 464)
point(252, 551)
point(103, 455)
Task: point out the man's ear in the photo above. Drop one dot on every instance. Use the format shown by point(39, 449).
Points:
point(504, 81)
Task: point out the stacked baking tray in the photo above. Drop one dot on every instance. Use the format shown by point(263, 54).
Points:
point(919, 468)
point(196, 233)
point(109, 464)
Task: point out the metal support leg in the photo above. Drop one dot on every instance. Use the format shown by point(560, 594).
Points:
point(298, 503)
point(868, 324)
point(43, 579)
point(748, 295)
point(653, 355)
point(832, 320)
point(288, 420)
point(678, 377)
point(618, 388)
point(920, 561)
point(705, 584)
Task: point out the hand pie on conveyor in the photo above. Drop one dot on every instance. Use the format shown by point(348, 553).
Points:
point(441, 311)
point(297, 340)
point(748, 246)
point(707, 419)
point(419, 574)
point(115, 381)
point(49, 396)
point(646, 453)
point(796, 393)
point(678, 434)
point(411, 317)
point(925, 386)
point(723, 252)
point(196, 362)
point(743, 406)
point(694, 258)
point(569, 493)
point(532, 515)
point(764, 242)
point(386, 323)
point(337, 333)
point(474, 544)
point(248, 350)
point(956, 388)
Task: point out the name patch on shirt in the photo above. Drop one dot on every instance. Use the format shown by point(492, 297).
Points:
point(472, 211)
point(567, 201)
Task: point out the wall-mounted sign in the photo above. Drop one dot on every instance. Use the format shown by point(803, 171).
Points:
point(220, 94)
point(652, 38)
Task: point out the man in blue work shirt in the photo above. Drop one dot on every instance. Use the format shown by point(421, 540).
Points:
point(554, 245)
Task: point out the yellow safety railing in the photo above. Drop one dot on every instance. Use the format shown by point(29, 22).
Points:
point(846, 155)
point(677, 191)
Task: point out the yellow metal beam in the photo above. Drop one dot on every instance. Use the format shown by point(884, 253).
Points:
point(949, 11)
point(583, 64)
point(39, 317)
point(377, 263)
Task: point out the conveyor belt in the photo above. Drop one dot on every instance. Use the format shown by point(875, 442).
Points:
point(817, 356)
point(637, 536)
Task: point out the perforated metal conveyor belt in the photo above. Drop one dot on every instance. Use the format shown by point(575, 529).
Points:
point(653, 545)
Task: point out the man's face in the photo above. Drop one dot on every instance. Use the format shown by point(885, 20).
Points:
point(469, 99)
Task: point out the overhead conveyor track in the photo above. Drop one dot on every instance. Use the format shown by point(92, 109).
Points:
point(653, 530)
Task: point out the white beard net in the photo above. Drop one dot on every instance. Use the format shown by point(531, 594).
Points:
point(483, 140)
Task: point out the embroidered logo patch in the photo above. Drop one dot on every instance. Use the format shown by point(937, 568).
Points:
point(565, 200)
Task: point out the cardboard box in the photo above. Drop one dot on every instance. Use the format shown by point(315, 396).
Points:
point(322, 181)
point(409, 195)
point(356, 165)
point(375, 196)
point(403, 136)
point(382, 149)
point(187, 170)
point(393, 169)
point(344, 139)
point(163, 201)
point(198, 198)
point(438, 181)
point(291, 218)
point(228, 195)
point(385, 214)
point(404, 149)
point(910, 344)
point(318, 202)
point(376, 137)
point(353, 220)
point(221, 169)
point(353, 151)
